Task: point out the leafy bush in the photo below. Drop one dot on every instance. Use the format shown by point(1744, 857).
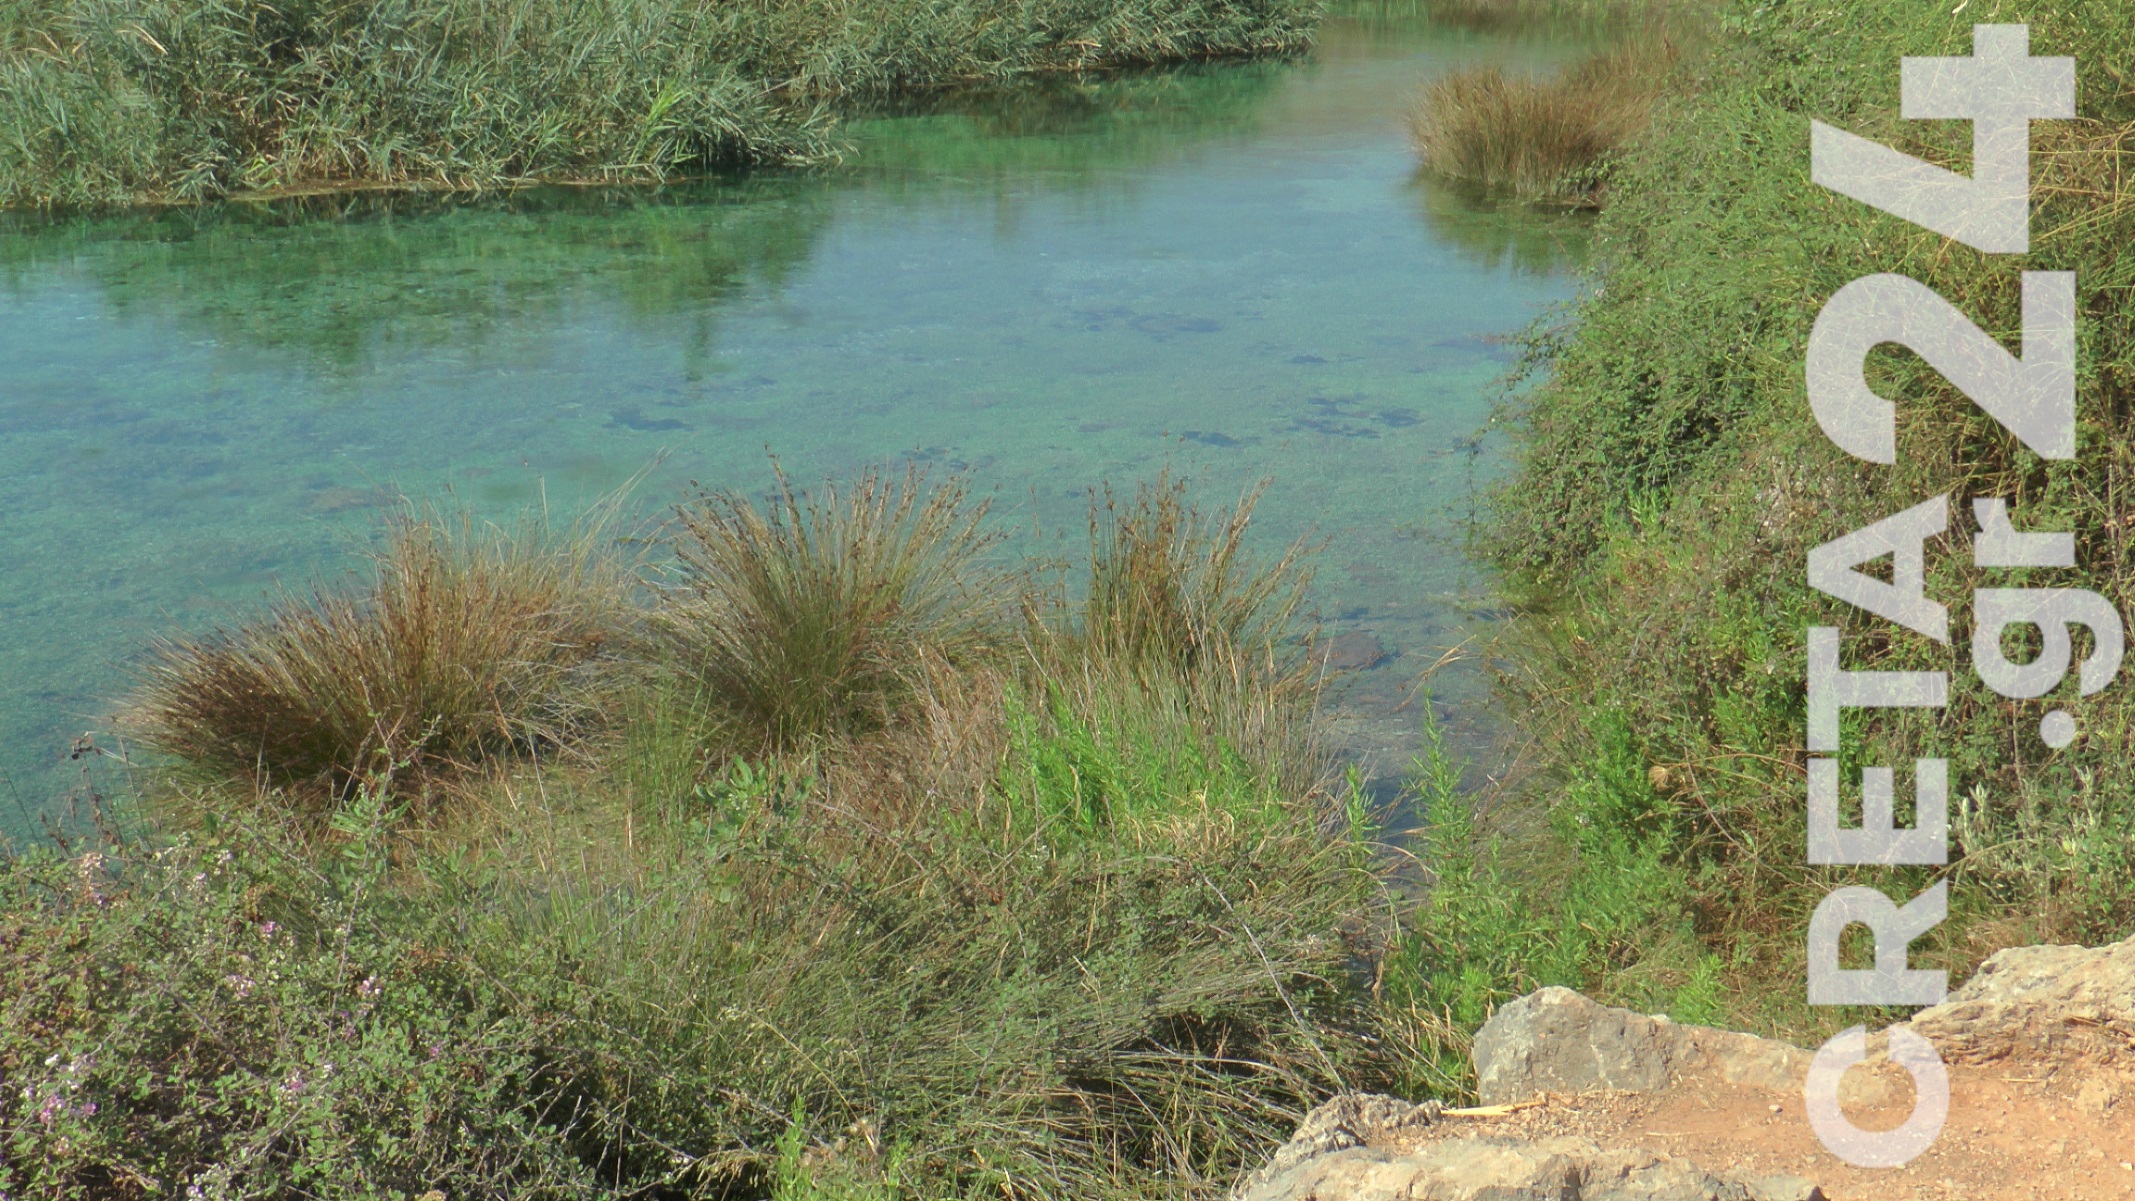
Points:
point(230, 1021)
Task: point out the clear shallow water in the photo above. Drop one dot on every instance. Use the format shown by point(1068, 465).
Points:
point(1228, 270)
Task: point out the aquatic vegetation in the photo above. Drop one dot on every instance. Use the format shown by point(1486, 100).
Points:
point(819, 615)
point(1171, 586)
point(130, 101)
point(1547, 139)
point(465, 645)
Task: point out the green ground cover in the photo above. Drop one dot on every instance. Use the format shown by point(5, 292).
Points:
point(1671, 483)
point(134, 101)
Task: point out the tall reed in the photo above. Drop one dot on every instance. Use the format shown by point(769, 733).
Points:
point(1539, 139)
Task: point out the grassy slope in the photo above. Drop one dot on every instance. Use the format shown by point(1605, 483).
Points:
point(123, 101)
point(978, 907)
point(1672, 482)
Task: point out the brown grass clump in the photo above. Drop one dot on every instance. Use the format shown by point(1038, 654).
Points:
point(817, 617)
point(1547, 14)
point(465, 646)
point(1546, 139)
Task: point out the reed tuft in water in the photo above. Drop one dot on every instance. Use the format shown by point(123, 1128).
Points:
point(1539, 139)
point(816, 616)
point(466, 645)
point(1171, 587)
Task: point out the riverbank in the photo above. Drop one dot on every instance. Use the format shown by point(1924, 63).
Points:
point(815, 857)
point(157, 103)
point(1671, 482)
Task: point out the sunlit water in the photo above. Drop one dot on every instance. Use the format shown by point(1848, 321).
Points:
point(1228, 270)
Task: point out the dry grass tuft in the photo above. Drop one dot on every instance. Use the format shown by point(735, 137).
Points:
point(1516, 15)
point(819, 617)
point(1546, 139)
point(1171, 591)
point(466, 645)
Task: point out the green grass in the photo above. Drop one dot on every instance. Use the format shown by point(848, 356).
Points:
point(1670, 483)
point(133, 101)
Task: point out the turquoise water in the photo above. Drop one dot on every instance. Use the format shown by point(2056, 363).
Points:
point(1228, 270)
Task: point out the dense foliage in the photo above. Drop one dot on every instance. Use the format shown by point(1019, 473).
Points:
point(125, 101)
point(1672, 481)
point(1036, 910)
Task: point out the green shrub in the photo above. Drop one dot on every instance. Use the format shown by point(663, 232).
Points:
point(230, 1021)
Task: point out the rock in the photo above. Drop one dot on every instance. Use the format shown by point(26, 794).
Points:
point(1350, 1120)
point(1358, 650)
point(2067, 1004)
point(1556, 1040)
point(1496, 1169)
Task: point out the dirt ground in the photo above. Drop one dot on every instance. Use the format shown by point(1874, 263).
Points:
point(2064, 1135)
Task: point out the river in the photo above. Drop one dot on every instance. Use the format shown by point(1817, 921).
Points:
point(1225, 269)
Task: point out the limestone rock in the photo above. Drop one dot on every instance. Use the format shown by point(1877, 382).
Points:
point(1350, 1120)
point(1494, 1169)
point(2059, 1003)
point(1556, 1040)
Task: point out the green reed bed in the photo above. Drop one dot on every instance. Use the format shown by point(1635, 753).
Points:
point(130, 101)
point(990, 906)
point(1670, 485)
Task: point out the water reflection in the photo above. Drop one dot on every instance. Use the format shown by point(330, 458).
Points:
point(1497, 235)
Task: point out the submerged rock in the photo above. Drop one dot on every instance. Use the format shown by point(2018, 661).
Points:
point(1357, 650)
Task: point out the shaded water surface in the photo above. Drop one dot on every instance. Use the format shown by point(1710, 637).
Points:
point(1228, 270)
